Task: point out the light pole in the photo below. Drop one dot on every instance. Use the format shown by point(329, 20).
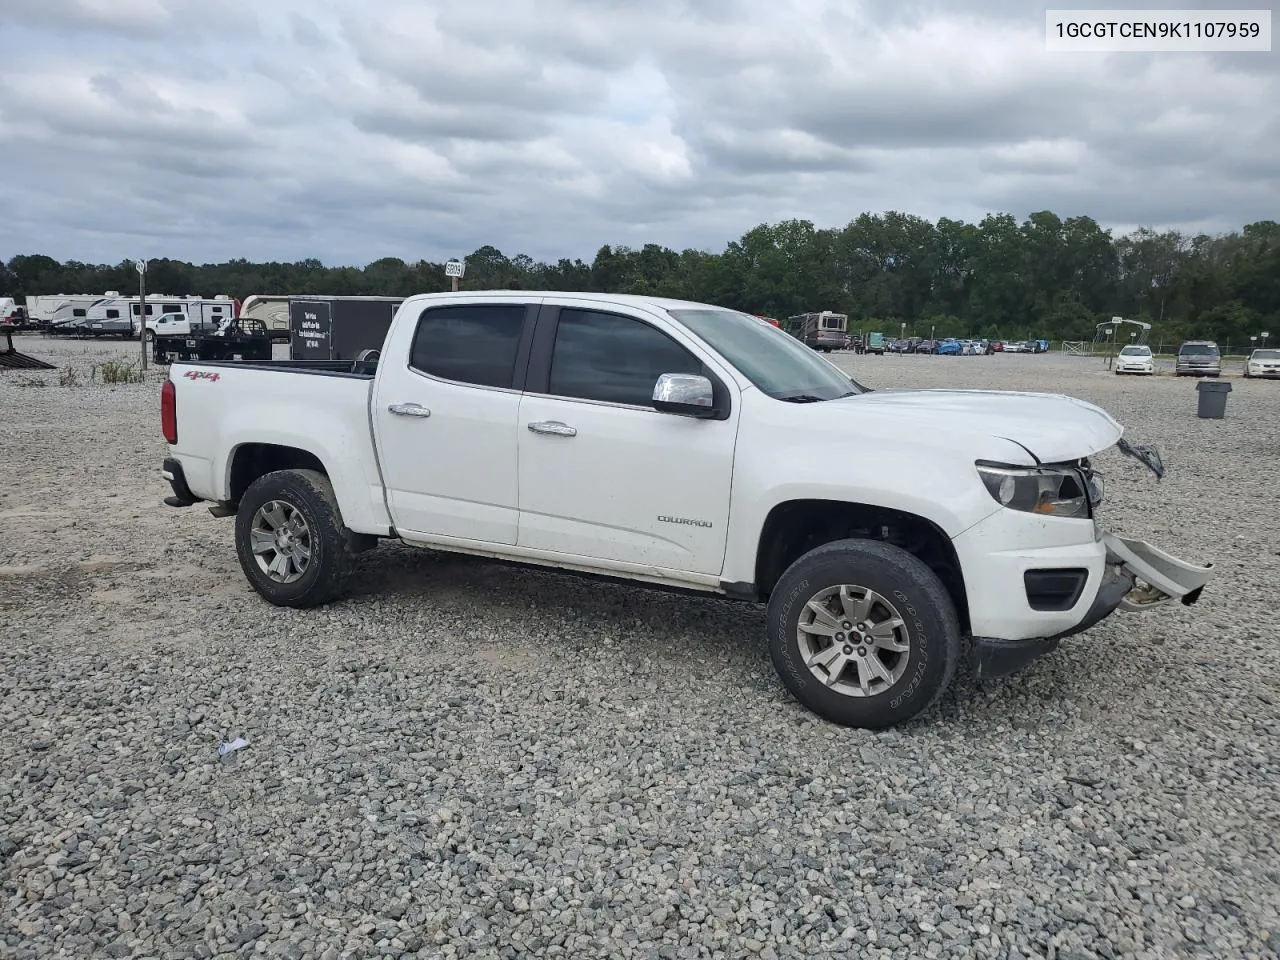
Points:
point(933, 343)
point(1264, 339)
point(141, 266)
point(1111, 333)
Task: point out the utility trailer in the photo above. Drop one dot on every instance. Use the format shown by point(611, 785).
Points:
point(12, 359)
point(241, 339)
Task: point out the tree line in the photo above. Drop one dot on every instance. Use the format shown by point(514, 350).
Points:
point(1045, 277)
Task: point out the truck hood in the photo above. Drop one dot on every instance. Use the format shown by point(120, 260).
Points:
point(1052, 427)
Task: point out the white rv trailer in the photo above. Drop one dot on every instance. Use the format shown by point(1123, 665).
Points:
point(192, 313)
point(48, 306)
point(166, 313)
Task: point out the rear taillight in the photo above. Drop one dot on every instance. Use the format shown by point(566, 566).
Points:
point(169, 412)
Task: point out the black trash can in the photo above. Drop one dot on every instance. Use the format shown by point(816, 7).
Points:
point(1213, 399)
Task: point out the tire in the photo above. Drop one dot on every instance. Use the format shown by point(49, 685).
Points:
point(930, 633)
point(151, 336)
point(309, 495)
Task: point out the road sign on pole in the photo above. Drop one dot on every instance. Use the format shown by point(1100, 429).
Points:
point(454, 269)
point(141, 266)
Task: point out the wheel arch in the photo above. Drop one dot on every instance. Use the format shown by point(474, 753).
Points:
point(249, 461)
point(794, 527)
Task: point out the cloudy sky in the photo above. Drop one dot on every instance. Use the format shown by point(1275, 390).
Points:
point(348, 131)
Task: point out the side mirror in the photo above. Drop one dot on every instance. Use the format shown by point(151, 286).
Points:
point(686, 394)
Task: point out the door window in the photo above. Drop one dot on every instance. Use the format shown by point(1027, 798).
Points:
point(612, 358)
point(470, 344)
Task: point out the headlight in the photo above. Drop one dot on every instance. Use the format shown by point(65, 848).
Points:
point(1050, 491)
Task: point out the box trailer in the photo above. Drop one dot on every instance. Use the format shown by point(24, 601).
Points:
point(338, 328)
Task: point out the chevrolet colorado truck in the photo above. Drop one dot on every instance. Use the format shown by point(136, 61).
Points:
point(889, 532)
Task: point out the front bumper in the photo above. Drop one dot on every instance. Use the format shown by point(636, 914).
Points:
point(1136, 576)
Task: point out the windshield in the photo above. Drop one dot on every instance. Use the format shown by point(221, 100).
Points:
point(775, 361)
point(1266, 355)
point(1199, 349)
point(1135, 352)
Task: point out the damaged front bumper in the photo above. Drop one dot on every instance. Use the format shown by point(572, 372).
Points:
point(1137, 577)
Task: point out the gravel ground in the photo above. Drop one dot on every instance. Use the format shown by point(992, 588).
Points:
point(465, 759)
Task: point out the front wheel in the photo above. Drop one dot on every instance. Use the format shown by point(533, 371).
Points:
point(863, 633)
point(290, 538)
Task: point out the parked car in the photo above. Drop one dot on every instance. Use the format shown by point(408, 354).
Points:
point(875, 344)
point(926, 346)
point(1135, 358)
point(997, 346)
point(950, 348)
point(899, 346)
point(1198, 358)
point(1263, 363)
point(977, 525)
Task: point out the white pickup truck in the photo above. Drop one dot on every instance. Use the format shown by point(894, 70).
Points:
point(685, 446)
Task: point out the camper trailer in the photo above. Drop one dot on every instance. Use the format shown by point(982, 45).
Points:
point(823, 331)
point(272, 310)
point(114, 315)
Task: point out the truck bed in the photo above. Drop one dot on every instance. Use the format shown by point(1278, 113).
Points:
point(327, 368)
point(226, 408)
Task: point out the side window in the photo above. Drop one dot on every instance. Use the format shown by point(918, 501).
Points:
point(77, 312)
point(604, 356)
point(172, 308)
point(469, 344)
point(113, 314)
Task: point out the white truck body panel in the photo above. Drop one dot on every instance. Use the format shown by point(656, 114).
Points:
point(218, 417)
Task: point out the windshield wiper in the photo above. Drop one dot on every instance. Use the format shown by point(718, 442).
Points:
point(810, 398)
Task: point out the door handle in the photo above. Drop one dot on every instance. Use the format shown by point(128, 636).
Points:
point(409, 410)
point(553, 427)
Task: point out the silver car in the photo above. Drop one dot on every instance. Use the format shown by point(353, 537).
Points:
point(1198, 358)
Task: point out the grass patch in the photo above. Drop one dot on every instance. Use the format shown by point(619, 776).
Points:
point(117, 371)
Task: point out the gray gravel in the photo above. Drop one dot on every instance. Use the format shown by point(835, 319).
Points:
point(464, 759)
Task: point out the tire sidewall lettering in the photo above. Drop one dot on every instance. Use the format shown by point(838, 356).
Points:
point(787, 637)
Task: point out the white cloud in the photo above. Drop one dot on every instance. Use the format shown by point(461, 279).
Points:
point(281, 131)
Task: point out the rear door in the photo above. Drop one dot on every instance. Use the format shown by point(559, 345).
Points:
point(445, 422)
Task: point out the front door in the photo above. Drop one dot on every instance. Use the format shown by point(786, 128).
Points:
point(605, 476)
point(445, 423)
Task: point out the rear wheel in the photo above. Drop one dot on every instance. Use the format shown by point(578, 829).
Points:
point(863, 633)
point(290, 538)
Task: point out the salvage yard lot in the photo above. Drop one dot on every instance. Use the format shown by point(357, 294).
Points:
point(462, 757)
